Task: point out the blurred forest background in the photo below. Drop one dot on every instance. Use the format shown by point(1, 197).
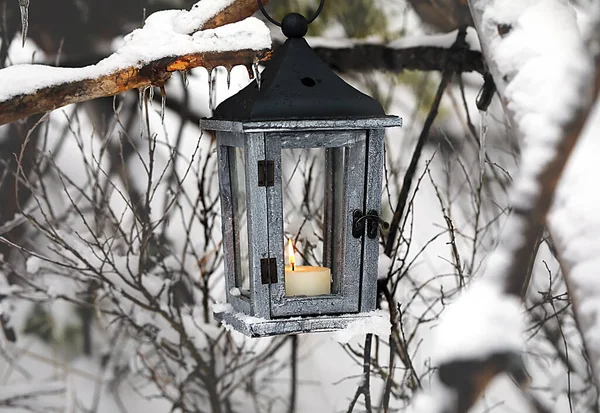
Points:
point(123, 198)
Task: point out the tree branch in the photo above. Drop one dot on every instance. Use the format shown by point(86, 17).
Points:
point(154, 73)
point(357, 57)
point(458, 46)
point(363, 57)
point(235, 12)
point(573, 225)
point(365, 386)
point(549, 134)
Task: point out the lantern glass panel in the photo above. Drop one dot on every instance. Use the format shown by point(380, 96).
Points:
point(312, 190)
point(321, 185)
point(237, 172)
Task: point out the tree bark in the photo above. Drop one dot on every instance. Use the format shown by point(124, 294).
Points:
point(152, 74)
point(364, 56)
point(235, 12)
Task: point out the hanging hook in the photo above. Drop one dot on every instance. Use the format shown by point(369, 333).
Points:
point(278, 24)
point(264, 12)
point(316, 14)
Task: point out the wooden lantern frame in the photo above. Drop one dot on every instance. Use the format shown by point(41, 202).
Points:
point(353, 249)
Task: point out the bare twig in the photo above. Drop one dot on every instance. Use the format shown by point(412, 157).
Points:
point(412, 167)
point(365, 386)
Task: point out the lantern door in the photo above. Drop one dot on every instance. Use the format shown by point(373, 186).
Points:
point(319, 179)
point(244, 221)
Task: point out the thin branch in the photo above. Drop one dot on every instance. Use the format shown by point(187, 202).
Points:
point(294, 373)
point(364, 57)
point(414, 162)
point(365, 386)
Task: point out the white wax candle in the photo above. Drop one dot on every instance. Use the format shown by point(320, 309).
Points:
point(305, 280)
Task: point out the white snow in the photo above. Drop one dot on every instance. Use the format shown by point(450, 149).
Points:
point(384, 265)
point(222, 308)
point(435, 400)
point(33, 264)
point(550, 69)
point(481, 322)
point(574, 223)
point(376, 322)
point(165, 34)
point(547, 69)
point(201, 12)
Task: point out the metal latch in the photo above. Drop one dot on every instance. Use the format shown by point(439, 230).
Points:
point(371, 221)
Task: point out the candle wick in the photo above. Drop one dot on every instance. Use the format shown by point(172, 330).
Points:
point(293, 267)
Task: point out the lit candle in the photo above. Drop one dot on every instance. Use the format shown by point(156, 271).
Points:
point(305, 280)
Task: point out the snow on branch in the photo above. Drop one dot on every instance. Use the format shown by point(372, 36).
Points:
point(574, 221)
point(574, 224)
point(171, 40)
point(546, 78)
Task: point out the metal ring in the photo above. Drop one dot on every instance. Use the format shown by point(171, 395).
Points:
point(278, 24)
point(319, 10)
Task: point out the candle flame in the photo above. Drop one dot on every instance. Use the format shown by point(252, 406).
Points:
point(291, 255)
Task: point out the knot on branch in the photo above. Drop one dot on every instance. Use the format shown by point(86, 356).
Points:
point(468, 378)
point(156, 72)
point(504, 29)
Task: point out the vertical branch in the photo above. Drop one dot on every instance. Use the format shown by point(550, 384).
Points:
point(294, 373)
point(389, 381)
point(414, 162)
point(516, 38)
point(365, 386)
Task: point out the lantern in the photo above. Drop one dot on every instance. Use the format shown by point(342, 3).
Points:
point(300, 156)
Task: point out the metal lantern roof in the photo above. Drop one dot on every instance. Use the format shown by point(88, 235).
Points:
point(297, 84)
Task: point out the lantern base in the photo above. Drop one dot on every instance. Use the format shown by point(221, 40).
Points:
point(260, 327)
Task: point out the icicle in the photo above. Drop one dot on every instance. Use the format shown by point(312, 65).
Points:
point(228, 69)
point(211, 89)
point(24, 6)
point(257, 74)
point(482, 141)
point(141, 99)
point(184, 76)
point(141, 92)
point(151, 93)
point(163, 103)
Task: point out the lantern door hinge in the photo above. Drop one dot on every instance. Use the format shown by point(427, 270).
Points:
point(266, 173)
point(268, 270)
point(370, 221)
